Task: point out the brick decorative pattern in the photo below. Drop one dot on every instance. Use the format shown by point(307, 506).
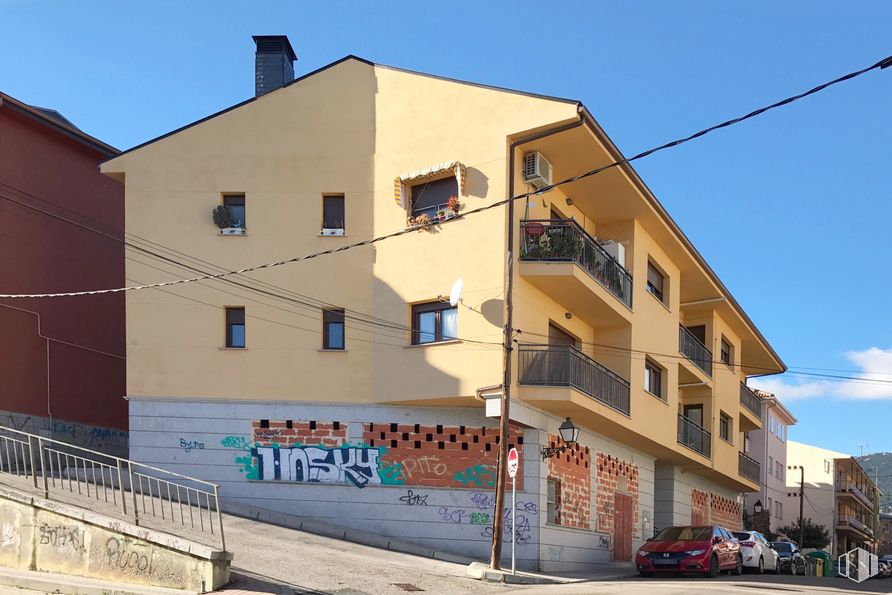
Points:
point(443, 456)
point(573, 499)
point(726, 513)
point(614, 475)
point(699, 507)
point(711, 509)
point(303, 433)
point(409, 454)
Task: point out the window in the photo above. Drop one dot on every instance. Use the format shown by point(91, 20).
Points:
point(725, 427)
point(236, 205)
point(430, 197)
point(780, 510)
point(333, 215)
point(779, 470)
point(433, 322)
point(770, 465)
point(655, 281)
point(826, 466)
point(333, 329)
point(770, 505)
point(727, 353)
point(552, 514)
point(653, 379)
point(235, 327)
point(771, 423)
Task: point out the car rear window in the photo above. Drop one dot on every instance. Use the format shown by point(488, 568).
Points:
point(742, 536)
point(684, 534)
point(782, 547)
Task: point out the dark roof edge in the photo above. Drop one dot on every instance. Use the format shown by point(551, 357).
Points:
point(481, 85)
point(72, 131)
point(686, 242)
point(238, 105)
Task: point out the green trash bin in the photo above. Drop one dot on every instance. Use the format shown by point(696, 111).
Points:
point(825, 563)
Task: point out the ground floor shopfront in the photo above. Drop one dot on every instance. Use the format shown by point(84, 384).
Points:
point(427, 475)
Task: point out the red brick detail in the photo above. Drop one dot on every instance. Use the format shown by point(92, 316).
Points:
point(572, 472)
point(709, 508)
point(302, 433)
point(442, 456)
point(726, 513)
point(614, 475)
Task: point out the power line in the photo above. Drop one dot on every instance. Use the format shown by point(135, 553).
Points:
point(879, 65)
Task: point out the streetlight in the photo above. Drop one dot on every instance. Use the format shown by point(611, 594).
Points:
point(757, 507)
point(569, 435)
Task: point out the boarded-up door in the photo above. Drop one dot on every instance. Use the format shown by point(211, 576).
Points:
point(622, 527)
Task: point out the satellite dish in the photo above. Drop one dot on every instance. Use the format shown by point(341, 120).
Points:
point(455, 293)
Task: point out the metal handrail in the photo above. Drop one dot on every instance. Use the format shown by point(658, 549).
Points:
point(748, 467)
point(55, 467)
point(750, 400)
point(565, 365)
point(694, 436)
point(693, 348)
point(564, 240)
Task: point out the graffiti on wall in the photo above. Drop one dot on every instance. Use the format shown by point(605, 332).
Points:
point(388, 454)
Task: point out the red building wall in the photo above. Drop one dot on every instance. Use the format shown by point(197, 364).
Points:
point(62, 357)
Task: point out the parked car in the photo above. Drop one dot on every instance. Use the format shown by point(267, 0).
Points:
point(884, 567)
point(757, 552)
point(790, 559)
point(705, 550)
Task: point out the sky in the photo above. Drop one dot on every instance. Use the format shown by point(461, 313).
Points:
point(791, 209)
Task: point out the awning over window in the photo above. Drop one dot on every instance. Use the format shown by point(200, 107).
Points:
point(401, 183)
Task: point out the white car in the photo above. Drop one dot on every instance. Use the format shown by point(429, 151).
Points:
point(757, 553)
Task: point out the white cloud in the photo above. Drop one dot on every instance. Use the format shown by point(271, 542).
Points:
point(873, 363)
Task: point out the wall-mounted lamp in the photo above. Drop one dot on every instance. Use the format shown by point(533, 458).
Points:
point(569, 434)
point(568, 315)
point(569, 202)
point(757, 507)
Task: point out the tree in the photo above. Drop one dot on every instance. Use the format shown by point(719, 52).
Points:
point(814, 536)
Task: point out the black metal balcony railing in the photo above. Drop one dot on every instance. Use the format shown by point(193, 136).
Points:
point(692, 348)
point(694, 436)
point(747, 466)
point(750, 400)
point(564, 365)
point(853, 521)
point(859, 495)
point(564, 240)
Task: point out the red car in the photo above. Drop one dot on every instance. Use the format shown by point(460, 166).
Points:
point(705, 550)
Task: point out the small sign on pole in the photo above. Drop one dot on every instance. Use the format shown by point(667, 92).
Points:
point(513, 464)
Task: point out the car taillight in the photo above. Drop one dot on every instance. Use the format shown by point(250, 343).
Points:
point(748, 543)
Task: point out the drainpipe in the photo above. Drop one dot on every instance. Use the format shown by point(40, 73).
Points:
point(495, 389)
point(501, 471)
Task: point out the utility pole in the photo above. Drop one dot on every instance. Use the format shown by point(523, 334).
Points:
point(801, 506)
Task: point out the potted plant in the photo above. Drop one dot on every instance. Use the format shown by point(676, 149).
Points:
point(422, 220)
point(441, 215)
point(453, 205)
point(223, 219)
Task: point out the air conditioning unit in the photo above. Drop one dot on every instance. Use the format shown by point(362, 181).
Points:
point(616, 250)
point(332, 231)
point(536, 170)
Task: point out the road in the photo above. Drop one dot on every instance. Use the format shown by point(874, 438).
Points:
point(273, 559)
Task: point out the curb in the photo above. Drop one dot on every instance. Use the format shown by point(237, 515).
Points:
point(45, 582)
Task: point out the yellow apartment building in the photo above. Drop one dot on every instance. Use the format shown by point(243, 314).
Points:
point(348, 388)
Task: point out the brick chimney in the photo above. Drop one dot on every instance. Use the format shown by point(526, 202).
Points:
point(273, 63)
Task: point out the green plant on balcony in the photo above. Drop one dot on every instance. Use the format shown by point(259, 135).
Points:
point(555, 243)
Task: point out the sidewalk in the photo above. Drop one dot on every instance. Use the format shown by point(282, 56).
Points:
point(481, 571)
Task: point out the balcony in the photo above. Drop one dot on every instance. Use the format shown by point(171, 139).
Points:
point(692, 348)
point(750, 400)
point(694, 436)
point(851, 522)
point(748, 467)
point(853, 491)
point(564, 365)
point(563, 240)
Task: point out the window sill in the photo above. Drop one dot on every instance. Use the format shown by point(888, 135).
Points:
point(333, 233)
point(726, 441)
point(659, 301)
point(323, 350)
point(434, 343)
point(232, 348)
point(233, 231)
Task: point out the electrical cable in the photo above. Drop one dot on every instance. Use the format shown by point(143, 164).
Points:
point(882, 64)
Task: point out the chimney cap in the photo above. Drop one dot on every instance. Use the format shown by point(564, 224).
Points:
point(274, 44)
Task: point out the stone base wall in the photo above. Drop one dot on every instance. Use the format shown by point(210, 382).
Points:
point(50, 537)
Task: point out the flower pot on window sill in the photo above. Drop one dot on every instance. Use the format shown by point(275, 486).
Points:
point(232, 231)
point(332, 231)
